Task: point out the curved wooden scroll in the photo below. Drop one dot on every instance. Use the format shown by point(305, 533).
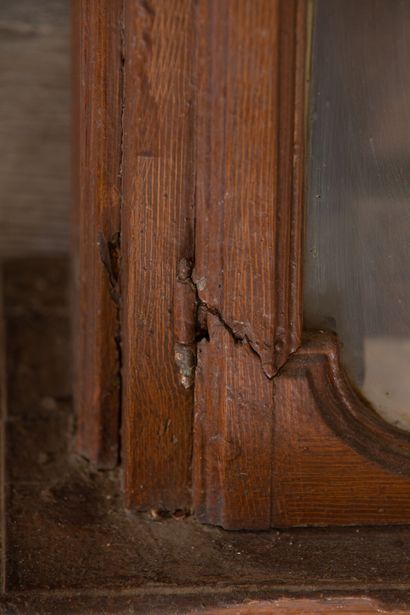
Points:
point(347, 412)
point(335, 461)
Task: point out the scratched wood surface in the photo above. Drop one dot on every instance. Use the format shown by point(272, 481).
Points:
point(97, 55)
point(72, 547)
point(246, 149)
point(211, 254)
point(157, 232)
point(247, 251)
point(232, 434)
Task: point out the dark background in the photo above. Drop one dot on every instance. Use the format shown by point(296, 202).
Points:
point(34, 127)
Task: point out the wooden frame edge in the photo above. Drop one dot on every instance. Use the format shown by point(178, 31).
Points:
point(98, 102)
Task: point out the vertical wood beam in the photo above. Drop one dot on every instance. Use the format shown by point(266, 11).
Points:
point(188, 112)
point(97, 49)
point(157, 232)
point(248, 245)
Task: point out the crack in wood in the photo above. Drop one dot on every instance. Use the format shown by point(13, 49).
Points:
point(110, 255)
point(191, 326)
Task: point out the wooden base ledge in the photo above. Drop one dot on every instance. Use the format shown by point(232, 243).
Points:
point(343, 606)
point(117, 603)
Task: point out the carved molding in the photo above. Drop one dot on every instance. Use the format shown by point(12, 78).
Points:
point(348, 413)
point(335, 461)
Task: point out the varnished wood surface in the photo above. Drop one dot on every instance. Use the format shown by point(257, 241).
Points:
point(211, 128)
point(72, 548)
point(248, 245)
point(247, 150)
point(323, 475)
point(348, 414)
point(97, 55)
point(211, 161)
point(157, 232)
point(234, 256)
point(232, 434)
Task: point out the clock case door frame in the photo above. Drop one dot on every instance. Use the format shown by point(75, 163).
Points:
point(196, 138)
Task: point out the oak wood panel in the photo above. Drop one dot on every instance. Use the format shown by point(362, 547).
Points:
point(157, 232)
point(97, 50)
point(249, 126)
point(323, 476)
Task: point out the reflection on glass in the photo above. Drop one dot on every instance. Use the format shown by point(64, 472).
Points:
point(357, 270)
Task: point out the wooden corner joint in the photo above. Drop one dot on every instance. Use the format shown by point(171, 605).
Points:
point(344, 410)
point(335, 461)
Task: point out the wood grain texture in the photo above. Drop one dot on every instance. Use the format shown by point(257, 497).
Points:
point(331, 469)
point(349, 415)
point(211, 165)
point(232, 434)
point(247, 245)
point(98, 97)
point(157, 232)
point(71, 547)
point(249, 165)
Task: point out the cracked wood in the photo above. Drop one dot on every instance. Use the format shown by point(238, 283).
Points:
point(212, 132)
point(249, 128)
point(157, 232)
point(249, 162)
point(213, 120)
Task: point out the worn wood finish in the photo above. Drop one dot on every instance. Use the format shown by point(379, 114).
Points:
point(298, 446)
point(336, 462)
point(213, 130)
point(98, 88)
point(248, 245)
point(157, 232)
point(248, 218)
point(71, 547)
point(233, 433)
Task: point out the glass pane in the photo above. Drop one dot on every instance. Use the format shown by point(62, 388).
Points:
point(357, 270)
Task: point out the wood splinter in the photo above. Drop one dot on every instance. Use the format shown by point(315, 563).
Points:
point(185, 318)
